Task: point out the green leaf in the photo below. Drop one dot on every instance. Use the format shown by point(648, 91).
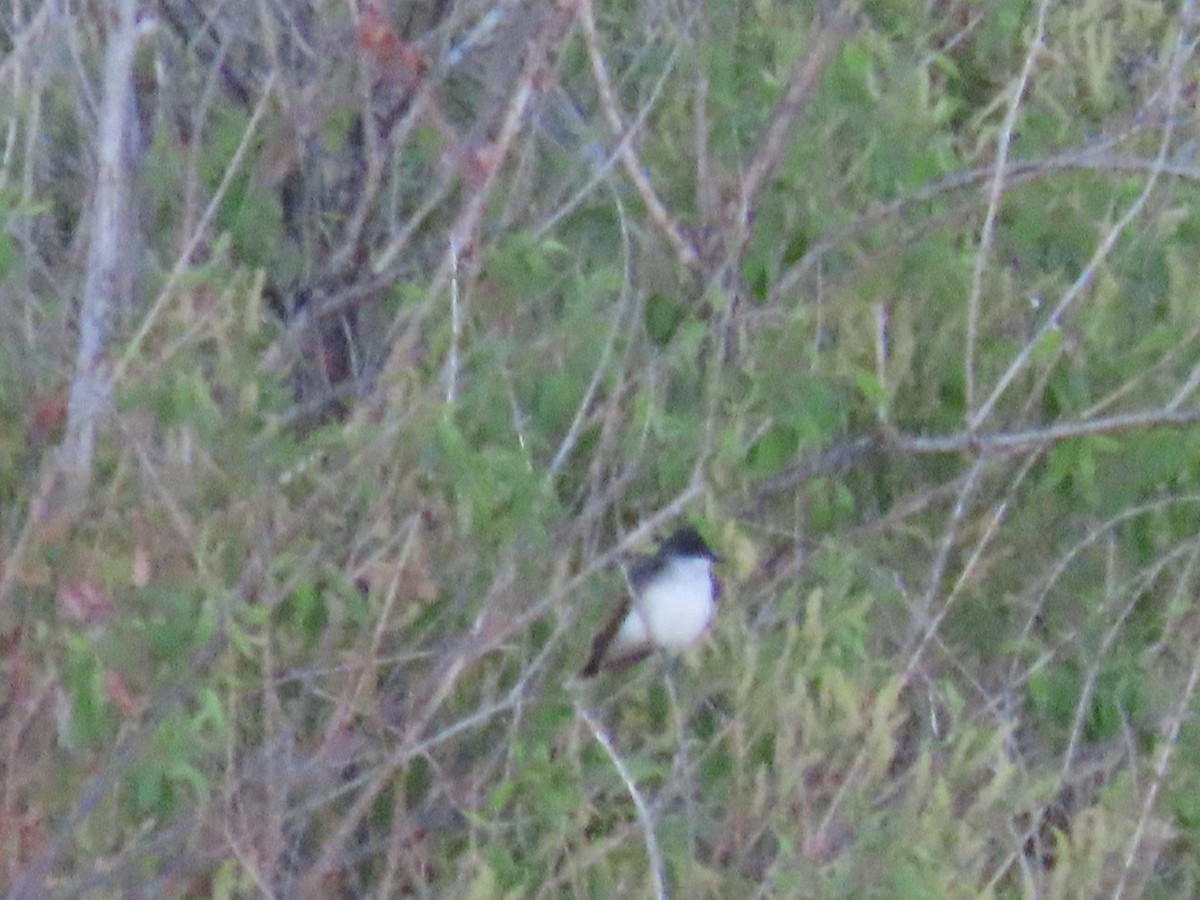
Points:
point(211, 715)
point(6, 254)
point(662, 318)
point(772, 451)
point(1049, 347)
point(870, 387)
point(150, 793)
point(83, 684)
point(304, 608)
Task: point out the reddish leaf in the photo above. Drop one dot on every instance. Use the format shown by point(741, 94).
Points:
point(395, 58)
point(49, 416)
point(85, 602)
point(118, 694)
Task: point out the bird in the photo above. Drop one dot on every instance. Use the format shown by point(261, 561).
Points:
point(671, 601)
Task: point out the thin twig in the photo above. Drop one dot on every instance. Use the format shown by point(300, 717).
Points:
point(634, 169)
point(455, 327)
point(1019, 441)
point(1166, 751)
point(199, 233)
point(1054, 319)
point(653, 853)
point(466, 226)
point(1090, 158)
point(627, 294)
point(802, 84)
point(983, 251)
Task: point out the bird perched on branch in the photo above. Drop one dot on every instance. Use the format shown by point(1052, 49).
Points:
point(671, 601)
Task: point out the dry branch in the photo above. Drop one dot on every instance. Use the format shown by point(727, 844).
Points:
point(108, 283)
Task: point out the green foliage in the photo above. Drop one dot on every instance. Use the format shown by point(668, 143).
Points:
point(91, 720)
point(351, 635)
point(170, 774)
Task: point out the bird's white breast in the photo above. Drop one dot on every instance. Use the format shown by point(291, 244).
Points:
point(674, 609)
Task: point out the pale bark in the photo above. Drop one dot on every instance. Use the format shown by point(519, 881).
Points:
point(108, 281)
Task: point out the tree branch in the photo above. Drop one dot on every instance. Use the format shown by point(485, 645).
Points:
point(108, 282)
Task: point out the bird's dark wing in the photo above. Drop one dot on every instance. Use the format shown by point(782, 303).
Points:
point(642, 569)
point(638, 573)
point(616, 663)
point(604, 637)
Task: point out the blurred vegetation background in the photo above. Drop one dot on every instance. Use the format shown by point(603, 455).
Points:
point(348, 346)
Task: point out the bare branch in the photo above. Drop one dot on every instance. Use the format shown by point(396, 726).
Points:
point(198, 234)
point(656, 209)
point(1053, 320)
point(983, 252)
point(1018, 441)
point(108, 283)
point(801, 86)
point(653, 853)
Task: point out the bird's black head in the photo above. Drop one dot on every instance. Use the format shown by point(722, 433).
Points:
point(687, 542)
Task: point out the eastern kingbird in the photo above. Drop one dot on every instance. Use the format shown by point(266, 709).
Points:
point(671, 600)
